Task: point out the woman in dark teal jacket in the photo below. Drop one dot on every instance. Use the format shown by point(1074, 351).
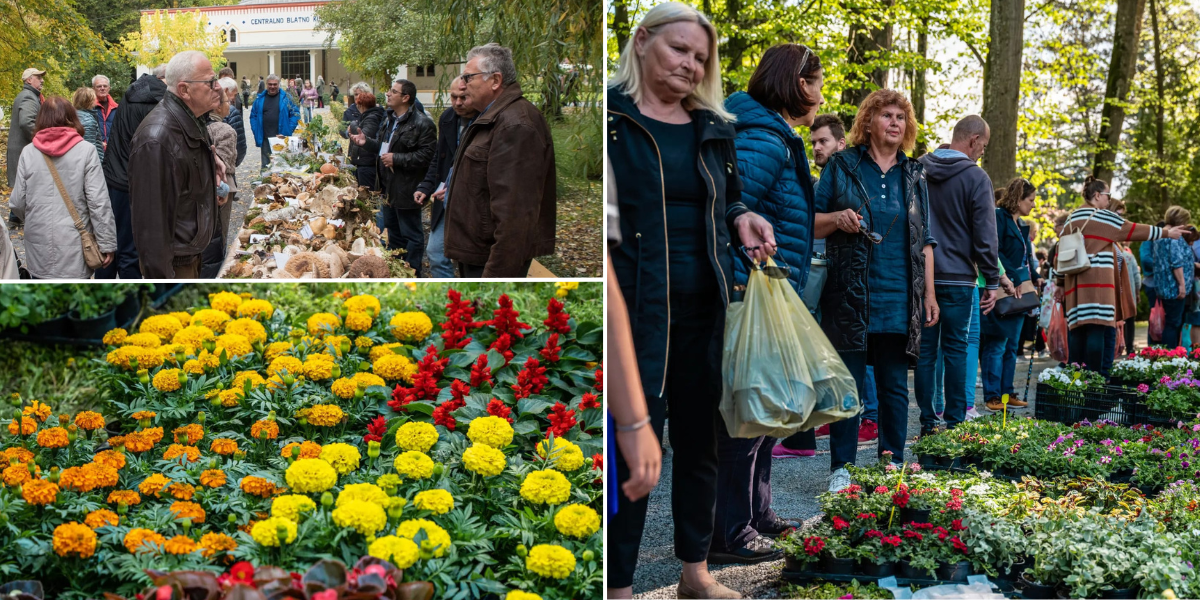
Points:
point(783, 93)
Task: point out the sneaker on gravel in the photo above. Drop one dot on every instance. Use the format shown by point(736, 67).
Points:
point(780, 452)
point(868, 431)
point(757, 550)
point(839, 480)
point(973, 414)
point(823, 431)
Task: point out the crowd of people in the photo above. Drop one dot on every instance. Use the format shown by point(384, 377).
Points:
point(929, 265)
point(156, 185)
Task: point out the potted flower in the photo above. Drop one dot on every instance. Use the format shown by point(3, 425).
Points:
point(917, 555)
point(802, 549)
point(878, 553)
point(1039, 580)
point(837, 558)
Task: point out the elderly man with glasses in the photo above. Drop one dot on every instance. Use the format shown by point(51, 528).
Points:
point(173, 172)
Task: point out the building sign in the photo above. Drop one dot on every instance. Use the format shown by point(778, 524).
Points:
point(307, 20)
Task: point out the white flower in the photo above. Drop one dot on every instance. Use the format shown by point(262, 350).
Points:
point(985, 474)
point(978, 489)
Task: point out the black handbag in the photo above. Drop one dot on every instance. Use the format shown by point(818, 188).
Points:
point(1008, 306)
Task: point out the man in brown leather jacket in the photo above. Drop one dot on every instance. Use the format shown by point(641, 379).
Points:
point(173, 173)
point(500, 199)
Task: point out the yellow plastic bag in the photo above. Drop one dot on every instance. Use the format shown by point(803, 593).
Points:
point(781, 374)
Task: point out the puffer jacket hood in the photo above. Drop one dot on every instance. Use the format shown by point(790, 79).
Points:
point(942, 168)
point(139, 100)
point(146, 90)
point(55, 141)
point(776, 184)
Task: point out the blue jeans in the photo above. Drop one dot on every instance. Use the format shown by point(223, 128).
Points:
point(440, 267)
point(125, 263)
point(1172, 321)
point(1094, 345)
point(998, 356)
point(947, 337)
point(870, 399)
point(891, 379)
point(973, 350)
point(307, 114)
point(743, 489)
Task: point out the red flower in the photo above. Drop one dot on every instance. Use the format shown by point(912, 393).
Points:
point(866, 515)
point(874, 533)
point(955, 504)
point(376, 429)
point(915, 525)
point(459, 391)
point(839, 523)
point(562, 420)
point(480, 372)
point(893, 540)
point(442, 416)
point(401, 397)
point(942, 533)
point(550, 352)
point(955, 493)
point(328, 594)
point(242, 572)
point(900, 498)
point(459, 318)
point(598, 462)
point(883, 489)
point(956, 525)
point(588, 401)
point(531, 380)
point(496, 408)
point(959, 545)
point(813, 545)
point(503, 345)
point(600, 379)
point(913, 534)
point(424, 388)
point(558, 319)
point(505, 319)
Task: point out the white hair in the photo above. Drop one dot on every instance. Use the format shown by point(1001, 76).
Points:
point(494, 58)
point(160, 71)
point(360, 87)
point(105, 78)
point(183, 66)
point(708, 94)
point(228, 84)
point(272, 77)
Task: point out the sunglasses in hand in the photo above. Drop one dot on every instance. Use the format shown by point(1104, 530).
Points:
point(776, 271)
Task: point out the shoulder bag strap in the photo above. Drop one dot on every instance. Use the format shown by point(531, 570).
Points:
point(62, 190)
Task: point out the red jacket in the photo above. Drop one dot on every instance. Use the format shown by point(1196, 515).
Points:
point(105, 117)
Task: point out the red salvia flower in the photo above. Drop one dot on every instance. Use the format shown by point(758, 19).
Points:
point(550, 352)
point(480, 372)
point(558, 319)
point(503, 345)
point(588, 401)
point(459, 318)
point(531, 380)
point(401, 397)
point(496, 408)
point(562, 420)
point(442, 416)
point(376, 429)
point(460, 390)
point(600, 379)
point(505, 319)
point(597, 462)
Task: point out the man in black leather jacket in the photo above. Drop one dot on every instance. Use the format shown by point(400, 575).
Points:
point(451, 126)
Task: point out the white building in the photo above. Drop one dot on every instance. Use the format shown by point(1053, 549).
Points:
point(280, 37)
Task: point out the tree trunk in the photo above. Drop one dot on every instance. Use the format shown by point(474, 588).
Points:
point(1120, 77)
point(621, 22)
point(918, 84)
point(863, 41)
point(1002, 88)
point(1160, 166)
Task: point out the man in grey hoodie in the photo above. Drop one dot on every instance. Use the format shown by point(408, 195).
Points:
point(962, 218)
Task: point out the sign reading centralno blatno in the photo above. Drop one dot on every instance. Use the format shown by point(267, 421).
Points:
point(283, 20)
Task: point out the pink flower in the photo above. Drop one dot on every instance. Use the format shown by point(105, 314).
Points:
point(1143, 388)
point(914, 467)
point(846, 597)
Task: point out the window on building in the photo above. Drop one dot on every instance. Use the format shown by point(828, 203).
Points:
point(294, 63)
point(224, 35)
point(420, 70)
point(232, 36)
point(429, 71)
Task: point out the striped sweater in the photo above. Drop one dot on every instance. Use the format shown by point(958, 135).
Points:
point(1091, 296)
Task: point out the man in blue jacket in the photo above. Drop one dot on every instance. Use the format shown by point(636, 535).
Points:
point(273, 114)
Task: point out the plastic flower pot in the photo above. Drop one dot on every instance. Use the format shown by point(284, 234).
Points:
point(162, 292)
point(926, 460)
point(58, 327)
point(1130, 592)
point(838, 566)
point(908, 515)
point(954, 571)
point(907, 571)
point(1013, 573)
point(129, 309)
point(870, 569)
point(94, 328)
point(945, 461)
point(968, 461)
point(1148, 490)
point(1034, 589)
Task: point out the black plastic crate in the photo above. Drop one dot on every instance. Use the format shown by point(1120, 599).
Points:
point(1107, 403)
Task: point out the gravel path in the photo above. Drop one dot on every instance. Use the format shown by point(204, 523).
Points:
point(796, 483)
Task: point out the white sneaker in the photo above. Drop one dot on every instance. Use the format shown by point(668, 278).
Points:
point(973, 414)
point(839, 480)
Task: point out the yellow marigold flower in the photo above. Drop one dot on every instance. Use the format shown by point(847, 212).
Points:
point(264, 531)
point(309, 475)
point(193, 336)
point(577, 520)
point(153, 484)
point(212, 319)
point(439, 502)
point(520, 595)
point(254, 308)
point(101, 518)
point(490, 430)
point(546, 487)
point(192, 433)
point(257, 486)
point(416, 435)
point(143, 340)
point(484, 459)
point(290, 506)
point(54, 437)
point(126, 497)
point(224, 446)
point(318, 369)
point(366, 380)
point(325, 415)
point(235, 345)
point(322, 324)
point(307, 449)
point(366, 518)
point(388, 481)
point(89, 420)
point(114, 337)
point(27, 426)
point(383, 350)
point(363, 342)
point(88, 477)
point(164, 326)
point(17, 452)
point(344, 388)
point(16, 474)
point(73, 539)
point(181, 491)
point(213, 478)
point(252, 330)
point(110, 458)
point(364, 492)
point(239, 380)
point(566, 456)
point(395, 367)
point(343, 457)
point(188, 510)
point(167, 380)
point(550, 560)
point(142, 441)
point(411, 326)
point(437, 540)
point(39, 491)
point(212, 543)
point(37, 410)
point(399, 551)
point(226, 302)
point(137, 539)
point(143, 415)
point(261, 425)
point(358, 321)
point(231, 398)
point(363, 302)
point(414, 465)
point(286, 364)
point(277, 349)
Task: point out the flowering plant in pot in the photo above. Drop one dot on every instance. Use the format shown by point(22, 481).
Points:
point(878, 553)
point(918, 553)
point(804, 549)
point(1175, 396)
point(1071, 378)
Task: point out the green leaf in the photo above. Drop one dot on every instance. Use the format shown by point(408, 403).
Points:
point(532, 406)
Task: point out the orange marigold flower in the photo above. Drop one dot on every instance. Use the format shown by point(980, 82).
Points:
point(100, 518)
point(181, 491)
point(27, 426)
point(180, 545)
point(213, 478)
point(126, 497)
point(224, 446)
point(37, 410)
point(89, 420)
point(54, 437)
point(212, 543)
point(74, 539)
point(154, 433)
point(110, 458)
point(144, 414)
point(17, 452)
point(307, 450)
point(135, 539)
point(174, 451)
point(153, 484)
point(188, 510)
point(88, 477)
point(39, 491)
point(271, 427)
point(192, 433)
point(257, 486)
point(16, 474)
point(138, 441)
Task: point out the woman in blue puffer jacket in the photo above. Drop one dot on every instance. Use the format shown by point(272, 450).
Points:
point(783, 93)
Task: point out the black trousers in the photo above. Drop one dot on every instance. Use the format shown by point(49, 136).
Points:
point(404, 231)
point(476, 271)
point(125, 264)
point(743, 489)
point(693, 392)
